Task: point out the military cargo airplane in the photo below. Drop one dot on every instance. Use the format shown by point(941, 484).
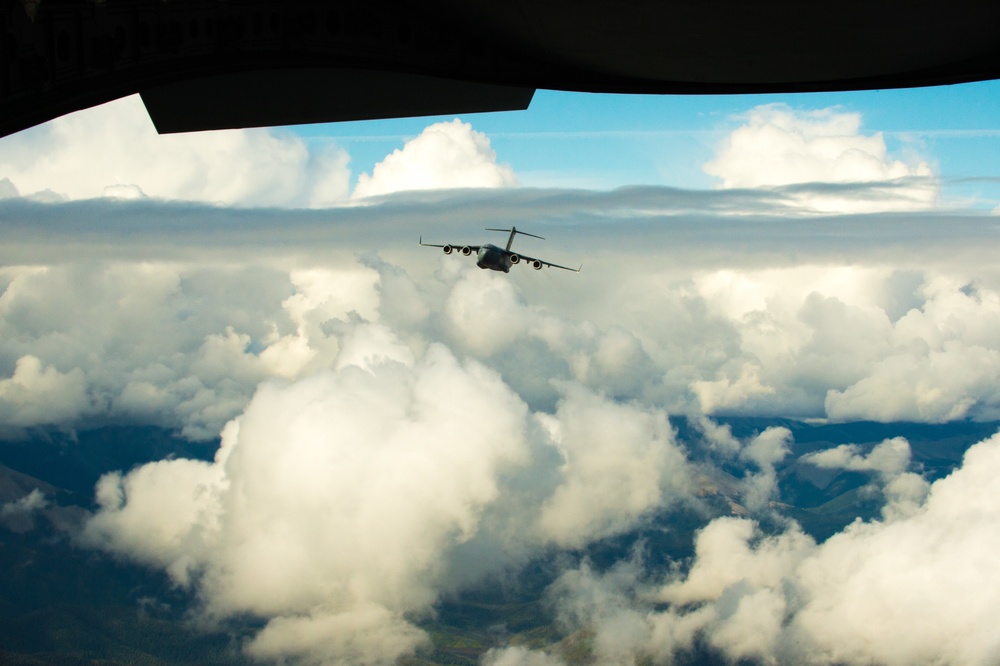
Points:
point(497, 258)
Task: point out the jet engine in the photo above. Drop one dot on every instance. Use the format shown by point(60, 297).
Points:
point(448, 249)
point(466, 250)
point(537, 265)
point(514, 259)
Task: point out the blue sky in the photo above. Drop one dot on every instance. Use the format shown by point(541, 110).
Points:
point(604, 141)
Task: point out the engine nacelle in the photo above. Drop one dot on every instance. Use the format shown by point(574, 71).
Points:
point(514, 259)
point(537, 265)
point(466, 250)
point(448, 249)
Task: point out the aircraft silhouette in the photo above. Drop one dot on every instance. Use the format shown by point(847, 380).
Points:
point(498, 258)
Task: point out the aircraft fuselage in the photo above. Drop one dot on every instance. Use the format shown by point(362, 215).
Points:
point(494, 258)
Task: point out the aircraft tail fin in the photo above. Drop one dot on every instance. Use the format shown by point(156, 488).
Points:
point(513, 232)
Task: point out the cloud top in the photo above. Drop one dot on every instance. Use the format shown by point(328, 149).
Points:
point(779, 146)
point(113, 150)
point(445, 155)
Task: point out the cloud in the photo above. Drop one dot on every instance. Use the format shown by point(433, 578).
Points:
point(30, 503)
point(904, 491)
point(442, 424)
point(37, 395)
point(620, 462)
point(765, 451)
point(344, 504)
point(780, 146)
point(927, 560)
point(835, 336)
point(368, 635)
point(179, 346)
point(247, 168)
point(519, 656)
point(398, 425)
point(913, 588)
point(890, 457)
point(19, 515)
point(184, 345)
point(445, 155)
point(329, 504)
point(113, 150)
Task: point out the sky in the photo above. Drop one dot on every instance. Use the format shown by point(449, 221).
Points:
point(397, 425)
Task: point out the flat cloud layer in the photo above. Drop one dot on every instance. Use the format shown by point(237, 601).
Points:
point(397, 424)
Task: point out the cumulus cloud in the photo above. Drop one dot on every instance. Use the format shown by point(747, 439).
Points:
point(113, 150)
point(912, 588)
point(765, 451)
point(37, 395)
point(329, 503)
point(444, 155)
point(519, 656)
point(185, 346)
point(19, 515)
point(890, 459)
point(835, 337)
point(620, 462)
point(180, 346)
point(31, 502)
point(337, 503)
point(780, 146)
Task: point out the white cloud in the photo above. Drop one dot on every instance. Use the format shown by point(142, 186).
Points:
point(330, 504)
point(780, 146)
point(30, 503)
point(620, 462)
point(930, 573)
point(19, 515)
point(890, 457)
point(904, 491)
point(185, 346)
point(113, 150)
point(445, 155)
point(485, 312)
point(835, 337)
point(917, 587)
point(37, 395)
point(366, 635)
point(764, 451)
point(519, 656)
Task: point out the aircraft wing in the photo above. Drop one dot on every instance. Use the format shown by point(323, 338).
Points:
point(455, 246)
point(545, 263)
